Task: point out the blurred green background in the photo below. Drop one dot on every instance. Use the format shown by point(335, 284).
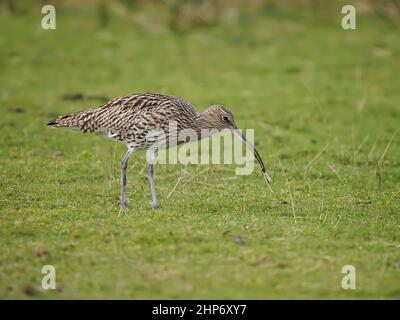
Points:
point(324, 103)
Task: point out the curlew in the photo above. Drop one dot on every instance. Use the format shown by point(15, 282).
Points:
point(130, 119)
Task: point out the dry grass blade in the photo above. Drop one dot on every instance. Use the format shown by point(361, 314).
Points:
point(176, 184)
point(386, 149)
point(290, 192)
point(308, 165)
point(380, 162)
point(267, 182)
point(336, 173)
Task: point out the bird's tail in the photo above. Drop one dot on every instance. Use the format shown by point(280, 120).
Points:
point(77, 120)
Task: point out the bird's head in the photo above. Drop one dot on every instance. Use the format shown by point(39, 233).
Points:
point(220, 117)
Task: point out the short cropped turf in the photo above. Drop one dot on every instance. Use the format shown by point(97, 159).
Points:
point(324, 103)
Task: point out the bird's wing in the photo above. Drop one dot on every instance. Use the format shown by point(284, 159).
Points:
point(131, 119)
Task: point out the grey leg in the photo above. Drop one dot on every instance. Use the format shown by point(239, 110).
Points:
point(150, 175)
point(124, 165)
point(151, 157)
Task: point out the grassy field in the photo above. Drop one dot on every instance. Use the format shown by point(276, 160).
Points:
point(324, 103)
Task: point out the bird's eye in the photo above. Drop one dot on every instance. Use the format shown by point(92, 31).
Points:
point(225, 118)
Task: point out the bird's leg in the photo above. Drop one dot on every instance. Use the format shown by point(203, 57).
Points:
point(150, 175)
point(124, 165)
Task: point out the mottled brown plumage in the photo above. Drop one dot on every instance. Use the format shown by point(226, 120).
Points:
point(130, 119)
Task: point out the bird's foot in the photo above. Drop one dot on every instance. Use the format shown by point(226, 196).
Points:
point(155, 205)
point(124, 204)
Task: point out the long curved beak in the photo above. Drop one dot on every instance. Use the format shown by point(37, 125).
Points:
point(242, 137)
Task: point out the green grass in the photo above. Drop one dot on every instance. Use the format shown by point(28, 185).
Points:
point(324, 104)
